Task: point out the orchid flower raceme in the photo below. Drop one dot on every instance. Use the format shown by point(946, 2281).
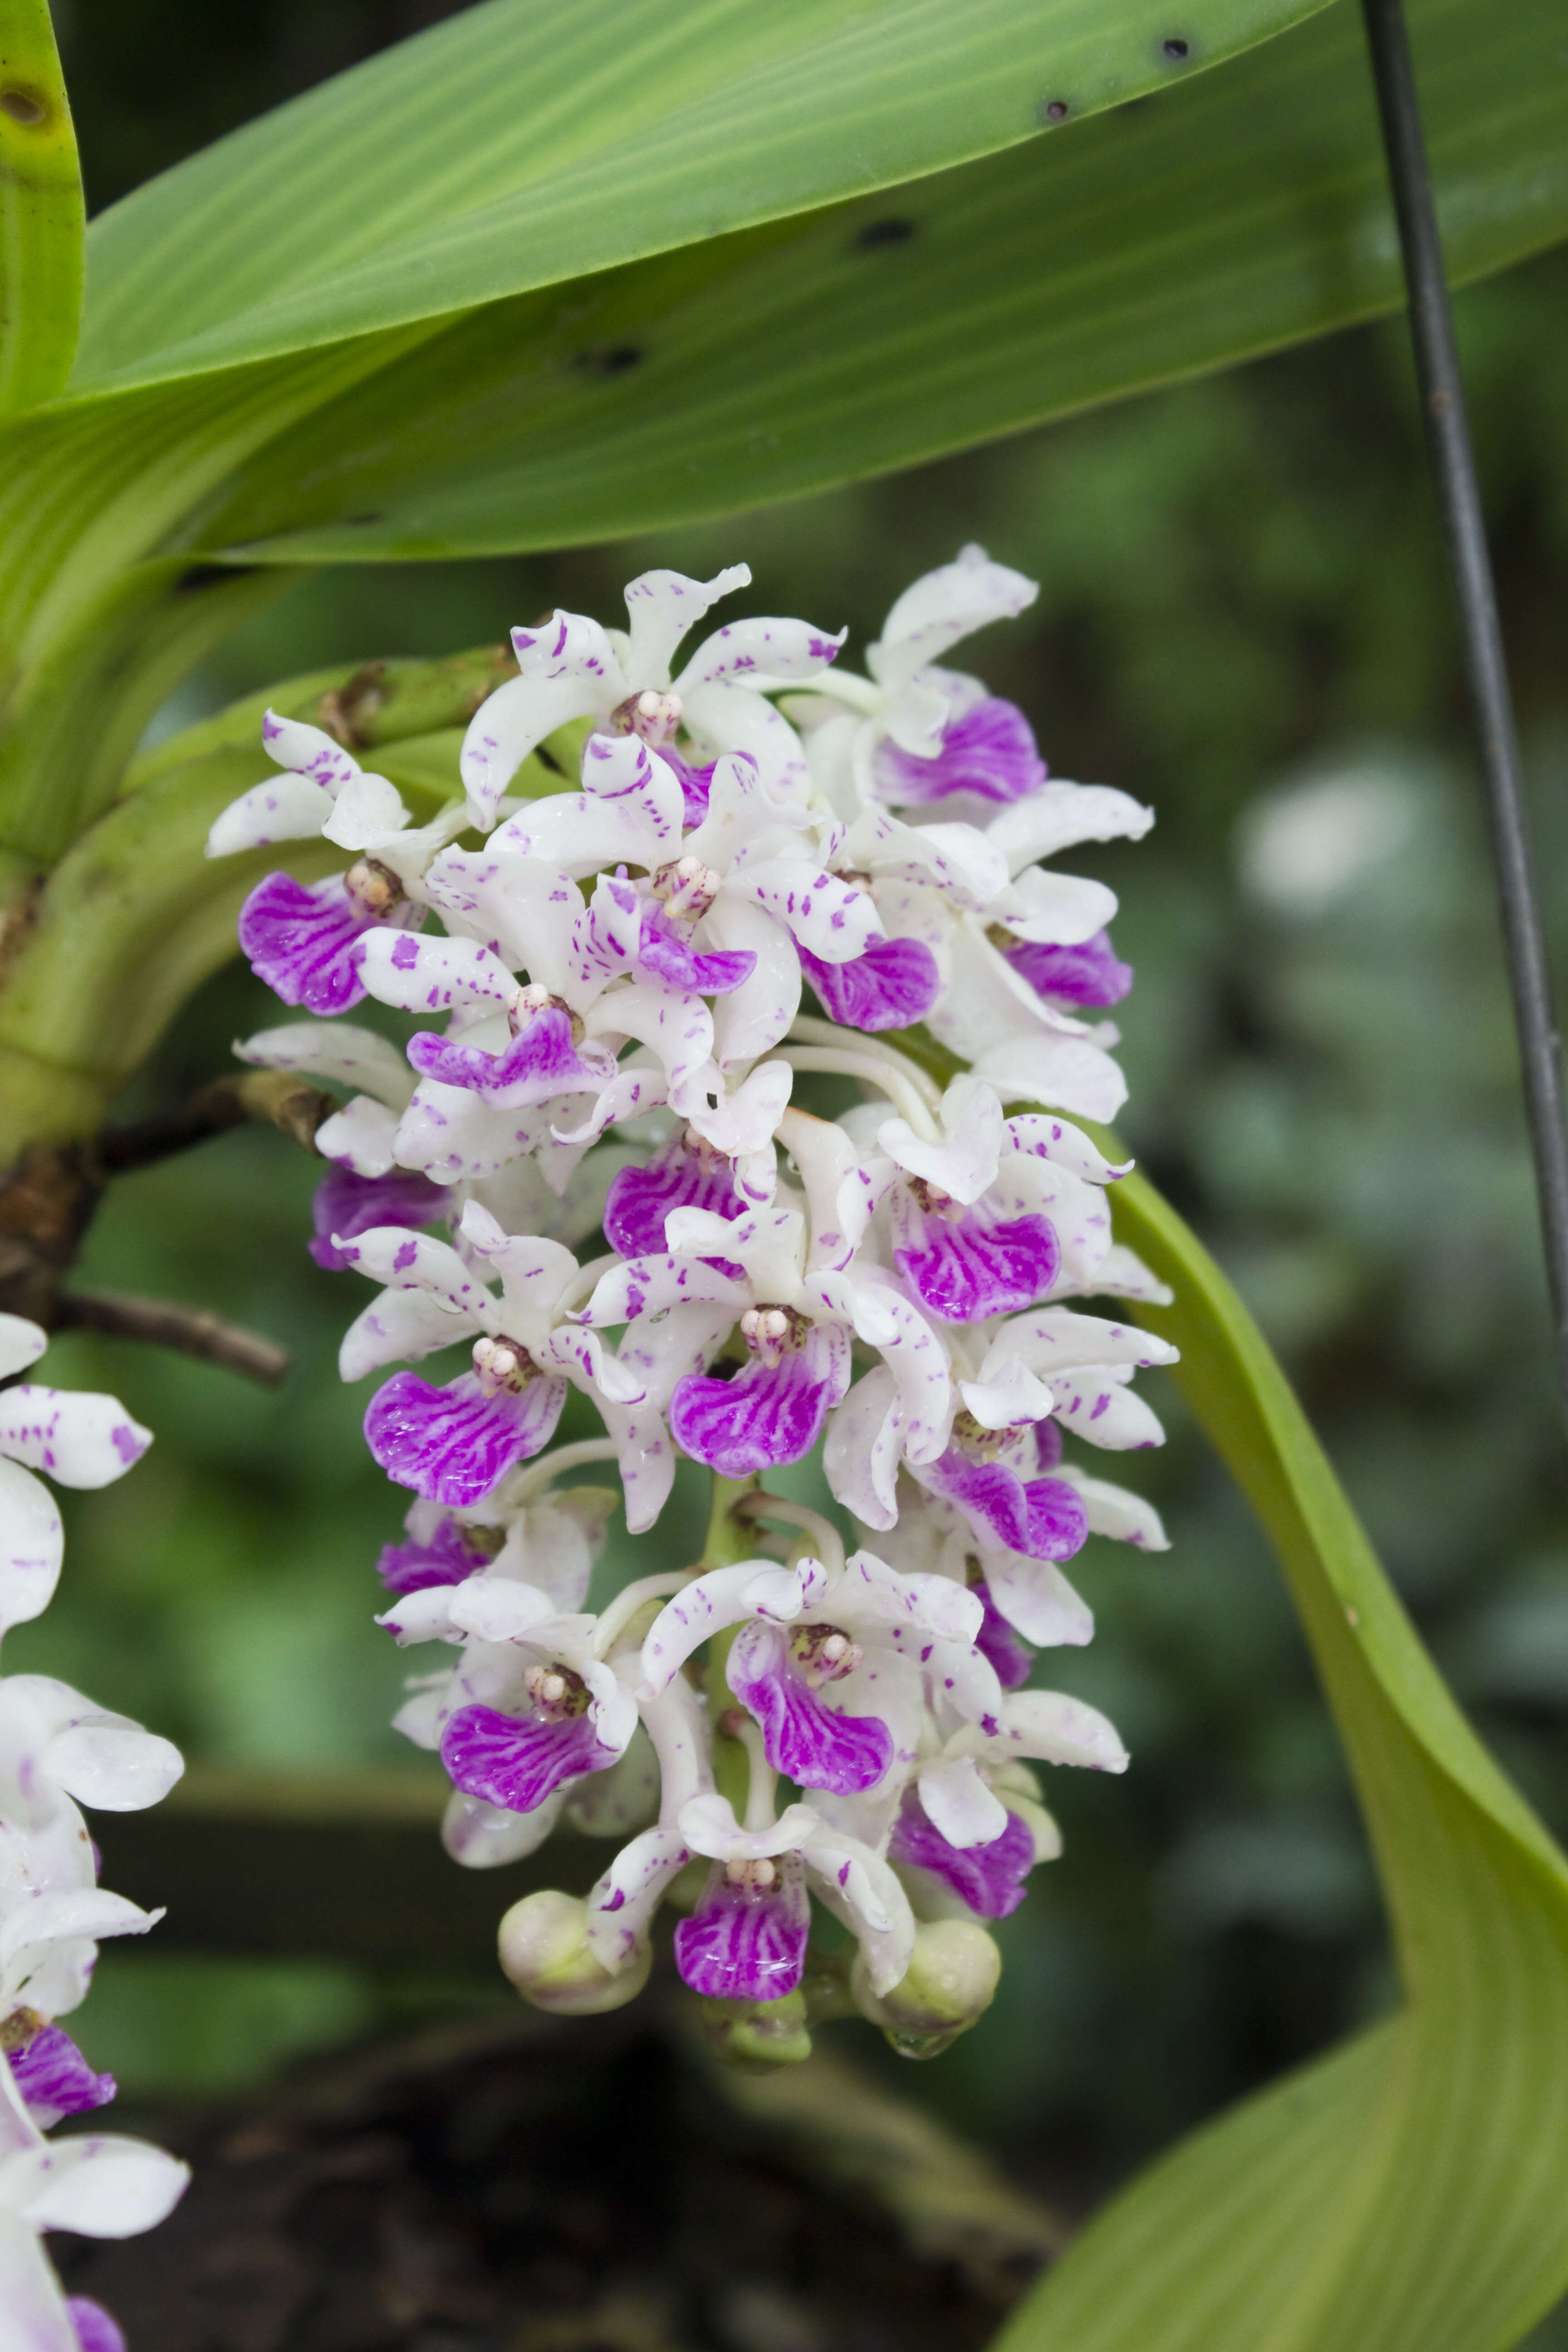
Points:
point(60, 1752)
point(622, 1005)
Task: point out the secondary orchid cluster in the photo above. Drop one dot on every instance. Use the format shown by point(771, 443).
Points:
point(57, 1752)
point(619, 977)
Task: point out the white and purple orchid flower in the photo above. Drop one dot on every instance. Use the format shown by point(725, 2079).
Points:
point(57, 1752)
point(302, 938)
point(832, 1663)
point(455, 1444)
point(746, 1939)
point(914, 735)
point(80, 1440)
point(607, 997)
point(97, 2184)
point(570, 668)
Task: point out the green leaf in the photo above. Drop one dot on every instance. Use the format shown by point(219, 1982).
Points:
point(1240, 211)
point(523, 144)
point(1405, 2192)
point(92, 624)
point(41, 211)
point(1229, 214)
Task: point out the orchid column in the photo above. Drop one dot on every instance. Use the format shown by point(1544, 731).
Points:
point(772, 873)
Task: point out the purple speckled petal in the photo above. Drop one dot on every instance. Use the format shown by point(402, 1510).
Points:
point(640, 1199)
point(1090, 975)
point(539, 1062)
point(766, 1417)
point(1043, 1519)
point(989, 1878)
point(300, 941)
point(662, 951)
point(807, 1739)
point(516, 1762)
point(56, 2079)
point(96, 2331)
point(455, 1444)
point(990, 752)
point(977, 1265)
point(740, 1945)
point(1000, 1645)
point(696, 783)
point(450, 1557)
point(893, 983)
point(1048, 1443)
point(347, 1204)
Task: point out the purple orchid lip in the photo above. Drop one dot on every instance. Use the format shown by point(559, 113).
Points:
point(1002, 1646)
point(455, 1445)
point(515, 1761)
point(54, 2079)
point(892, 984)
point(96, 2329)
point(1042, 1519)
point(450, 1557)
point(989, 1878)
point(300, 940)
point(347, 1204)
point(1092, 973)
point(804, 1737)
point(746, 1942)
point(640, 1199)
point(663, 951)
point(541, 1062)
point(768, 1415)
point(989, 752)
point(973, 1264)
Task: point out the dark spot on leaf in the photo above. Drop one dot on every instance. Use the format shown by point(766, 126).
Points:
point(614, 360)
point(361, 518)
point(547, 759)
point(884, 232)
point(22, 105)
point(1053, 109)
point(1174, 49)
point(199, 577)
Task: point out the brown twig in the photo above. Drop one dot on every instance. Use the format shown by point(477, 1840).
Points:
point(274, 1095)
point(165, 1323)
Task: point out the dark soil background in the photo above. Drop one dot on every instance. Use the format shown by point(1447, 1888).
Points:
point(532, 2185)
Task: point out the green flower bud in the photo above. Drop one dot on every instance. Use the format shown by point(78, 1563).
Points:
point(755, 2036)
point(544, 1950)
point(948, 1985)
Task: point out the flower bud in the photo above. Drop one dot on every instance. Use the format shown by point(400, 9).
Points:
point(755, 2036)
point(544, 1950)
point(948, 1985)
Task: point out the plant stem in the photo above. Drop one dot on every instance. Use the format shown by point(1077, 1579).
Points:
point(1453, 464)
point(165, 1323)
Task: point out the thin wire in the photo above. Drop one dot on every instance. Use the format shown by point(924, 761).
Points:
point(1453, 463)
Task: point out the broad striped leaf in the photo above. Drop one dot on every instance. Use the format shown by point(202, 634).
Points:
point(1245, 210)
point(523, 144)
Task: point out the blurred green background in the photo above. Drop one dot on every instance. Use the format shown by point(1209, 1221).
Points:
point(1243, 617)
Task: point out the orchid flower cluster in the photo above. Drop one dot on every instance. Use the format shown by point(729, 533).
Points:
point(619, 979)
point(57, 1752)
